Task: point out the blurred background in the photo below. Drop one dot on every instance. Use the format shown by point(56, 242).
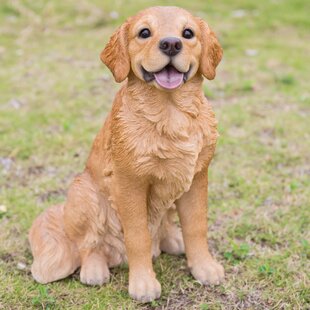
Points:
point(55, 94)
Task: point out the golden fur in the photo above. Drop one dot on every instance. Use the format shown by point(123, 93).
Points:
point(150, 159)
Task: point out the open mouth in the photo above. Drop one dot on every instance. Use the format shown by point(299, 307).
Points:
point(168, 77)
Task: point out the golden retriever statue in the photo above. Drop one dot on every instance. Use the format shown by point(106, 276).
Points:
point(149, 161)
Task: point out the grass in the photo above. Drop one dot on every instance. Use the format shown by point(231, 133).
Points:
point(54, 95)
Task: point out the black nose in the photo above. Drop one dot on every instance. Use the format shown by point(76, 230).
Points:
point(170, 46)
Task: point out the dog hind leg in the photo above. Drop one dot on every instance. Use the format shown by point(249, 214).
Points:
point(171, 240)
point(86, 219)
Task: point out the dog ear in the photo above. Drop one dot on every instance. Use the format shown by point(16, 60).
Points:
point(115, 55)
point(211, 53)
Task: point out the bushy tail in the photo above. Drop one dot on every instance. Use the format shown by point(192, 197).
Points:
point(55, 256)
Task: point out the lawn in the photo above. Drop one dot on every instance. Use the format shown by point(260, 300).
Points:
point(55, 94)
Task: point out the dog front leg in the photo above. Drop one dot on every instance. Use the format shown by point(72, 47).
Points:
point(130, 197)
point(192, 209)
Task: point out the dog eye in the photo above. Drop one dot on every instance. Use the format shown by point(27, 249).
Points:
point(188, 34)
point(145, 33)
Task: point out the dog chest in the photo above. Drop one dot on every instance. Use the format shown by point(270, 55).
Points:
point(166, 142)
point(171, 163)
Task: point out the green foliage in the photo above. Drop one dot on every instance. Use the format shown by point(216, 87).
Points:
point(286, 80)
point(43, 299)
point(237, 253)
point(266, 270)
point(204, 307)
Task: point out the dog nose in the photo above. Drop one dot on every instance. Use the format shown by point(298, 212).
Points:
point(170, 46)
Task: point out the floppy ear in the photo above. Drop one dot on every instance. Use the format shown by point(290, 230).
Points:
point(115, 55)
point(211, 53)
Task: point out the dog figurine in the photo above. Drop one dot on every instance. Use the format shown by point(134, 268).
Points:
point(148, 162)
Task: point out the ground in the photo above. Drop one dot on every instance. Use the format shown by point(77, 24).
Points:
point(55, 94)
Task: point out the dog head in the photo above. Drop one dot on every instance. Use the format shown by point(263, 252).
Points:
point(163, 46)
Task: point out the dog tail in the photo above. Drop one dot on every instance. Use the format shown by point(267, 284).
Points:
point(55, 255)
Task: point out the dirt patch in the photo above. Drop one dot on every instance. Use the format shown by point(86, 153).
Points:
point(7, 257)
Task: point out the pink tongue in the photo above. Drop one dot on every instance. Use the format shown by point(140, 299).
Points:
point(169, 78)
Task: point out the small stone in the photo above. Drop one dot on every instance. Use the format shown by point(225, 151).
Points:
point(15, 103)
point(251, 52)
point(21, 266)
point(238, 13)
point(105, 77)
point(3, 209)
point(114, 15)
point(6, 163)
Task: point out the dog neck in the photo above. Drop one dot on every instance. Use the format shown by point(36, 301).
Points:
point(172, 114)
point(151, 100)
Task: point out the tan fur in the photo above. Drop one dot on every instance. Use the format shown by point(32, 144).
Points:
point(150, 159)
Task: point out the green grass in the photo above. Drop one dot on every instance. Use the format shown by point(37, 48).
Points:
point(54, 95)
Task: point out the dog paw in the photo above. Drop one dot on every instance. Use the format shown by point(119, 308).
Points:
point(173, 243)
point(208, 272)
point(94, 273)
point(144, 289)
